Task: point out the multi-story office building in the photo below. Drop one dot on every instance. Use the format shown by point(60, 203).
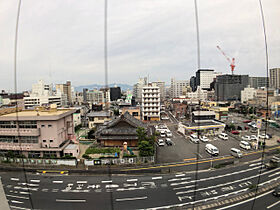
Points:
point(228, 87)
point(258, 82)
point(95, 96)
point(38, 133)
point(177, 87)
point(162, 90)
point(204, 77)
point(43, 95)
point(115, 93)
point(274, 78)
point(137, 88)
point(151, 103)
point(66, 90)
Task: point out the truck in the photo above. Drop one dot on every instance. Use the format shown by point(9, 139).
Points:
point(274, 162)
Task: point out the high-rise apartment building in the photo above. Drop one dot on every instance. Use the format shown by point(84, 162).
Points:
point(258, 82)
point(137, 88)
point(151, 103)
point(177, 87)
point(66, 90)
point(274, 78)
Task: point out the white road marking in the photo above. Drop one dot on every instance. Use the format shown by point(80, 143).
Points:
point(35, 180)
point(25, 193)
point(13, 201)
point(45, 190)
point(14, 179)
point(274, 174)
point(185, 187)
point(255, 164)
point(107, 181)
point(111, 186)
point(274, 204)
point(57, 182)
point(16, 207)
point(131, 199)
point(71, 201)
point(81, 182)
point(130, 185)
point(237, 204)
point(25, 188)
point(179, 175)
point(130, 189)
point(15, 196)
point(132, 180)
point(179, 179)
point(158, 177)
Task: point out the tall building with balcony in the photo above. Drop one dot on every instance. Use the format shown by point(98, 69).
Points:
point(274, 78)
point(151, 103)
point(38, 133)
point(137, 88)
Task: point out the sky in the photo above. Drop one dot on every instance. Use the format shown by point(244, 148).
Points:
point(61, 40)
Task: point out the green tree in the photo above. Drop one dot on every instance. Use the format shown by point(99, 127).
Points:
point(91, 133)
point(141, 133)
point(145, 148)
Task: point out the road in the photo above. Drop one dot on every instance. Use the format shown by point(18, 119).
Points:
point(153, 191)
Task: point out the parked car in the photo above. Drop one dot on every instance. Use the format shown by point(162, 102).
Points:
point(263, 136)
point(160, 142)
point(235, 132)
point(253, 137)
point(246, 138)
point(239, 128)
point(246, 128)
point(223, 136)
point(278, 141)
point(204, 139)
point(162, 134)
point(194, 139)
point(251, 123)
point(168, 133)
point(247, 121)
point(245, 145)
point(168, 142)
point(269, 135)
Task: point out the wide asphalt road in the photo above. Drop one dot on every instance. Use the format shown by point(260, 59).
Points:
point(149, 191)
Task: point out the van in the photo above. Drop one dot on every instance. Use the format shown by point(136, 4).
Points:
point(211, 149)
point(223, 136)
point(236, 152)
point(245, 145)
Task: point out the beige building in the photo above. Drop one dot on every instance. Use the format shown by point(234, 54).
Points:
point(133, 111)
point(38, 133)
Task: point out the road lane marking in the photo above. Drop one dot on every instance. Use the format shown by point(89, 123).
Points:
point(255, 164)
point(107, 181)
point(130, 189)
point(57, 182)
point(16, 207)
point(158, 177)
point(179, 179)
point(274, 204)
point(237, 204)
point(35, 180)
point(14, 201)
point(180, 175)
point(185, 187)
point(131, 199)
point(81, 182)
point(132, 180)
point(71, 201)
point(14, 179)
point(15, 196)
point(189, 159)
point(274, 174)
point(25, 193)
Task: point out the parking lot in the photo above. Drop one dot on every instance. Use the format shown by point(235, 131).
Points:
point(183, 149)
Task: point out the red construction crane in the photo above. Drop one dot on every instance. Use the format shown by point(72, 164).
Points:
point(231, 61)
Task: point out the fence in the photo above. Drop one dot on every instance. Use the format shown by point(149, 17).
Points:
point(120, 161)
point(30, 161)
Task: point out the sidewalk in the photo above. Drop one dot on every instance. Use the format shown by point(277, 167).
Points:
point(3, 200)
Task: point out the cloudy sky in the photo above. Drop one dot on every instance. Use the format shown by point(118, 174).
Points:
point(63, 40)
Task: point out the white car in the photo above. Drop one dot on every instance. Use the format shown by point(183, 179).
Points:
point(263, 136)
point(204, 139)
point(223, 136)
point(194, 139)
point(246, 138)
point(253, 137)
point(160, 142)
point(168, 134)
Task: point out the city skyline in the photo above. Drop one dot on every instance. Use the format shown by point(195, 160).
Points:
point(58, 39)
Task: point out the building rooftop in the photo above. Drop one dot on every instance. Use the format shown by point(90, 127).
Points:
point(203, 113)
point(34, 113)
point(99, 114)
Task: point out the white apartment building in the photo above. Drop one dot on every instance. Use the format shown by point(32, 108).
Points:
point(162, 91)
point(199, 94)
point(137, 88)
point(247, 94)
point(177, 87)
point(151, 103)
point(42, 94)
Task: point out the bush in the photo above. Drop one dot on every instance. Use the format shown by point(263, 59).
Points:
point(85, 156)
point(96, 150)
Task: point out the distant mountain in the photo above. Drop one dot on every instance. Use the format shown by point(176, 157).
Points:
point(96, 86)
